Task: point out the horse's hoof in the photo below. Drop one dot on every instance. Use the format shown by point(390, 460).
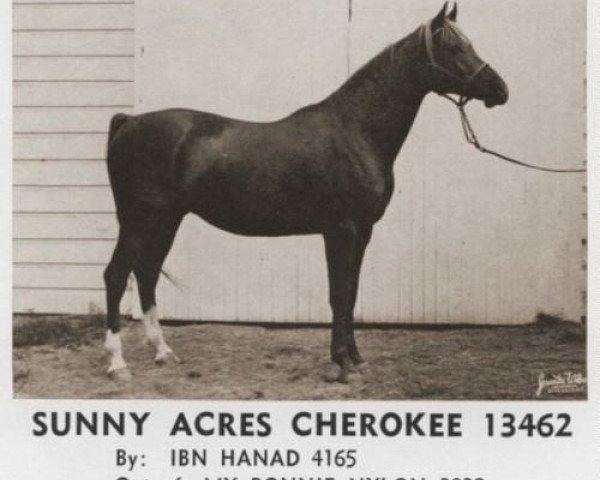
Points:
point(163, 358)
point(352, 367)
point(357, 359)
point(121, 375)
point(331, 373)
point(343, 376)
point(336, 374)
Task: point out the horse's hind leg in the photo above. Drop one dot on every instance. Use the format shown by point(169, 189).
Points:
point(147, 271)
point(115, 278)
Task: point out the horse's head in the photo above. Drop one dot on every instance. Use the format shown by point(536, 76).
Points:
point(454, 66)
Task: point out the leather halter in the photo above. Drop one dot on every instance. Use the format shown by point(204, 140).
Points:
point(427, 35)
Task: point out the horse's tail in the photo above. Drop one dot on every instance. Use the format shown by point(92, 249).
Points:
point(116, 122)
point(117, 169)
point(176, 283)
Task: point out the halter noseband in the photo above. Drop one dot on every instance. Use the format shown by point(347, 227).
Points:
point(427, 35)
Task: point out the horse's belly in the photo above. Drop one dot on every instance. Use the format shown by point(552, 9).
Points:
point(271, 211)
point(242, 220)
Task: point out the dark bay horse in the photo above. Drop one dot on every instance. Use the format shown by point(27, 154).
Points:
point(325, 169)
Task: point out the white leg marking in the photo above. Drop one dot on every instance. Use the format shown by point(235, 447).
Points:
point(155, 336)
point(113, 345)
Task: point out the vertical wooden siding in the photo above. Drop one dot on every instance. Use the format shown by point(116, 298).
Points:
point(466, 238)
point(73, 69)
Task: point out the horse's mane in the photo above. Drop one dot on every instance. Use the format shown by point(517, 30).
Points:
point(378, 75)
point(377, 70)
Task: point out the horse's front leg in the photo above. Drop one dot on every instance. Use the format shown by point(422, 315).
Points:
point(344, 246)
point(363, 240)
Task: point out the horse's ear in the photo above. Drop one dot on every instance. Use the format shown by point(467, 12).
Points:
point(454, 13)
point(439, 19)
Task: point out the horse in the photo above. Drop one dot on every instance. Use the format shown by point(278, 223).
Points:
point(325, 169)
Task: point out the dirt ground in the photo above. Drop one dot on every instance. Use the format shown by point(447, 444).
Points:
point(63, 357)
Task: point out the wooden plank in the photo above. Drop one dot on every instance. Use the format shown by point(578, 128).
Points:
point(93, 68)
point(63, 199)
point(73, 43)
point(50, 146)
point(54, 2)
point(76, 16)
point(73, 94)
point(62, 251)
point(65, 226)
point(60, 172)
point(83, 277)
point(77, 302)
point(64, 119)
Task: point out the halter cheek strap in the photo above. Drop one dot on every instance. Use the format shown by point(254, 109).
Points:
point(427, 36)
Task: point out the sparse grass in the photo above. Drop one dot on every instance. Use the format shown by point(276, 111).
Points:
point(575, 334)
point(561, 330)
point(547, 320)
point(56, 331)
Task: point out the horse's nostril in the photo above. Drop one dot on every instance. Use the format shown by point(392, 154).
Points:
point(504, 89)
point(502, 92)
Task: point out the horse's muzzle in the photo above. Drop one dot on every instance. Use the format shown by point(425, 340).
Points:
point(497, 93)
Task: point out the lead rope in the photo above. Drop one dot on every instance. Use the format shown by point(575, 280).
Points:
point(471, 138)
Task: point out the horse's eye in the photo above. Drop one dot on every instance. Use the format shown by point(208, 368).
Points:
point(455, 49)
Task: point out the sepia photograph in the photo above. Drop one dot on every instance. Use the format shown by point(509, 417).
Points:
point(299, 200)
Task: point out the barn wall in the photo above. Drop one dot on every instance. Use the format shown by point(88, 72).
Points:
point(466, 238)
point(73, 69)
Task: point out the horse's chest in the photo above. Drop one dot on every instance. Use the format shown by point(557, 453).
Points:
point(372, 196)
point(372, 186)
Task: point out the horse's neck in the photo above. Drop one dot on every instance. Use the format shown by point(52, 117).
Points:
point(381, 100)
